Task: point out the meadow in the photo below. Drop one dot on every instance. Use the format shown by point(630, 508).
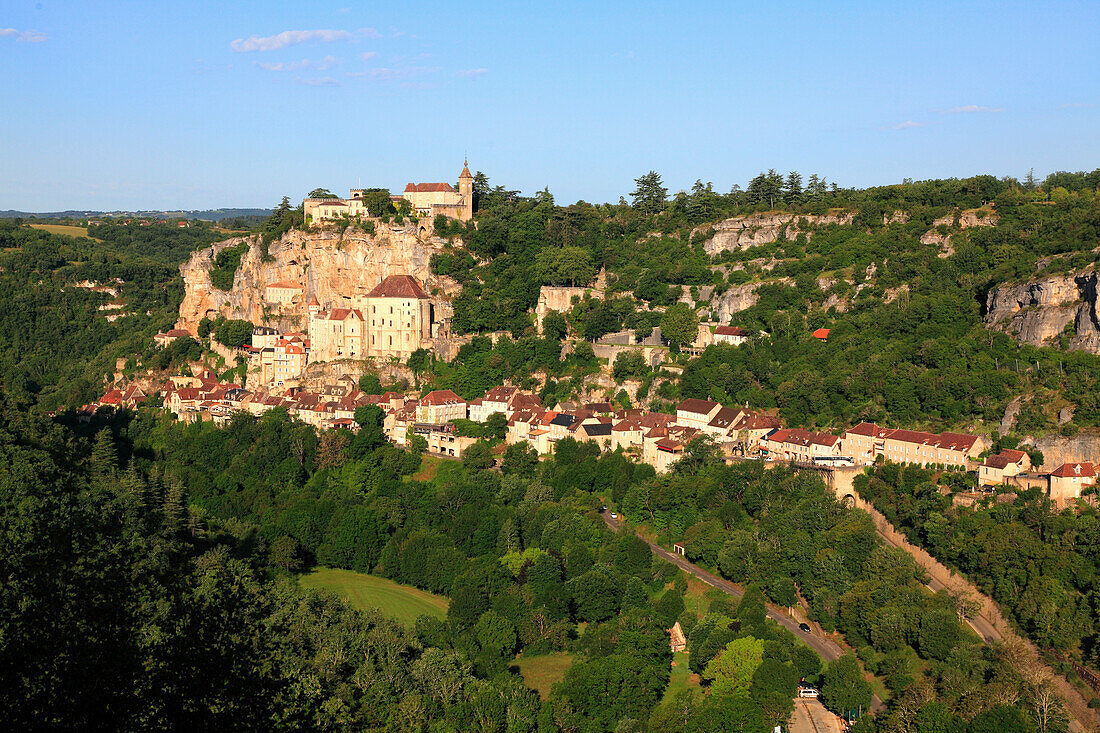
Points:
point(400, 602)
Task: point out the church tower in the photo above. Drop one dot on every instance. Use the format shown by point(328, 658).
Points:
point(466, 191)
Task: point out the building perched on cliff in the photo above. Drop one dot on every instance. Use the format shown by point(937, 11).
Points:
point(394, 319)
point(426, 199)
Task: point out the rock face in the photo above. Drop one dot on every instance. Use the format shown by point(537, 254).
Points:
point(742, 232)
point(335, 267)
point(967, 220)
point(1059, 449)
point(1038, 312)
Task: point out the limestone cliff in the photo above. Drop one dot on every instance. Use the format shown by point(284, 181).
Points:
point(742, 232)
point(331, 265)
point(1038, 312)
point(940, 231)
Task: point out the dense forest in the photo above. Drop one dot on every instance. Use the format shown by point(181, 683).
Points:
point(149, 569)
point(56, 342)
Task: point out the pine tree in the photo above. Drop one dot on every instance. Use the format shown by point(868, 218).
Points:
point(650, 195)
point(793, 188)
point(1030, 182)
point(104, 459)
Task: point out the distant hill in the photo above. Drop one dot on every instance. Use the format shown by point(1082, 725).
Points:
point(206, 214)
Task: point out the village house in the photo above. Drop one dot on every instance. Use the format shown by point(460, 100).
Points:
point(794, 444)
point(866, 441)
point(165, 339)
point(732, 335)
point(997, 469)
point(440, 406)
point(696, 413)
point(1068, 481)
point(283, 293)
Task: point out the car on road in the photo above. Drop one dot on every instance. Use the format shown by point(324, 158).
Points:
point(808, 692)
point(804, 627)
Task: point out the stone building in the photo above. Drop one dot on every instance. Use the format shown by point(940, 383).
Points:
point(394, 319)
point(426, 200)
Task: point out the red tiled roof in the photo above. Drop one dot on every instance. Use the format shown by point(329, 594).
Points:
point(821, 333)
point(699, 407)
point(1074, 470)
point(285, 284)
point(796, 436)
point(724, 418)
point(177, 333)
point(398, 286)
point(730, 331)
point(441, 397)
point(429, 188)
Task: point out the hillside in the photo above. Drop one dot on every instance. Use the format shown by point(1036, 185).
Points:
point(907, 278)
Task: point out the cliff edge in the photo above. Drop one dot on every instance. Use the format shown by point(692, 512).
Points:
point(1040, 311)
point(330, 265)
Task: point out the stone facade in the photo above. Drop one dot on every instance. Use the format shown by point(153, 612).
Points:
point(392, 320)
point(426, 200)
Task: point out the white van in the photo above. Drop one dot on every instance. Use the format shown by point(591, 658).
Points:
point(808, 692)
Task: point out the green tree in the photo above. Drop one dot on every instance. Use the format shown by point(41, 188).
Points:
point(649, 193)
point(731, 672)
point(679, 325)
point(843, 688)
point(377, 201)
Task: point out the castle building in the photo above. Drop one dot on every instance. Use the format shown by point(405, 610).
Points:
point(394, 319)
point(426, 199)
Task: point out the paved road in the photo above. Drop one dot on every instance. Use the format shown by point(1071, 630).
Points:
point(826, 648)
point(810, 716)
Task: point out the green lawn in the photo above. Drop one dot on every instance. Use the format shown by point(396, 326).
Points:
point(541, 672)
point(401, 602)
point(65, 230)
point(681, 677)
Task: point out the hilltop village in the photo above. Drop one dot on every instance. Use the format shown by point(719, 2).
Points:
point(312, 368)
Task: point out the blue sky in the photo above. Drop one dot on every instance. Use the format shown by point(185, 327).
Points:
point(131, 105)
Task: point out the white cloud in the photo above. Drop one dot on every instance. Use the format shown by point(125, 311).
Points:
point(398, 73)
point(907, 125)
point(968, 108)
point(323, 65)
point(291, 38)
point(25, 36)
point(324, 81)
point(368, 55)
point(468, 73)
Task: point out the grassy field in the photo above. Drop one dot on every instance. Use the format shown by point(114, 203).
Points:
point(429, 467)
point(65, 230)
point(401, 602)
point(541, 672)
point(681, 677)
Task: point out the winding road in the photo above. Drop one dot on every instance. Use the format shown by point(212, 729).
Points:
point(825, 648)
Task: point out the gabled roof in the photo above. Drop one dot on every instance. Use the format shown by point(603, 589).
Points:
point(723, 418)
point(502, 393)
point(730, 331)
point(285, 284)
point(430, 188)
point(398, 286)
point(1074, 470)
point(821, 333)
point(696, 406)
point(796, 436)
point(441, 397)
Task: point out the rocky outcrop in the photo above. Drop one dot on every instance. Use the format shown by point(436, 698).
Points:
point(968, 219)
point(333, 266)
point(742, 232)
point(1059, 449)
point(1039, 312)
